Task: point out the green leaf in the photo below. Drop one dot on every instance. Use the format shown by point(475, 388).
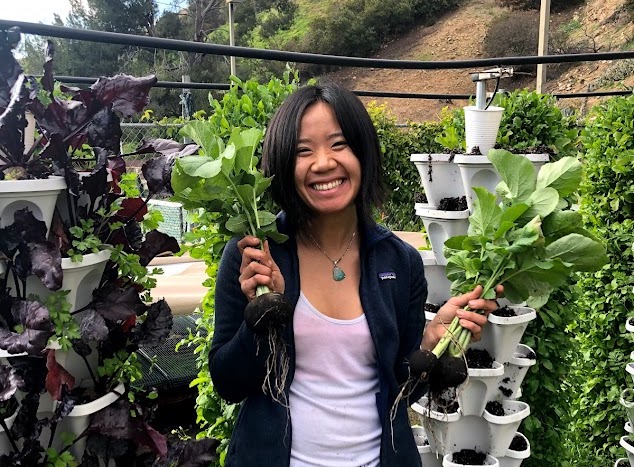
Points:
point(266, 218)
point(541, 203)
point(486, 215)
point(203, 134)
point(563, 175)
point(517, 174)
point(199, 166)
point(584, 254)
point(560, 223)
point(238, 224)
point(513, 212)
point(456, 242)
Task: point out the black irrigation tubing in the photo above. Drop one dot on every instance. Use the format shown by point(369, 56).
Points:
point(385, 94)
point(278, 55)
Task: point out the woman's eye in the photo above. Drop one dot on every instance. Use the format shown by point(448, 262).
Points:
point(339, 144)
point(302, 151)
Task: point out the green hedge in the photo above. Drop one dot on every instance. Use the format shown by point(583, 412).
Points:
point(607, 297)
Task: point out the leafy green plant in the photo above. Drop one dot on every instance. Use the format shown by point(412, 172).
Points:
point(532, 121)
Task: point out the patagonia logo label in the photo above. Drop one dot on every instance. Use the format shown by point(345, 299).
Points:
point(387, 275)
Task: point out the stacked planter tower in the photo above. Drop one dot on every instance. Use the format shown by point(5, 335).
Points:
point(478, 424)
point(627, 401)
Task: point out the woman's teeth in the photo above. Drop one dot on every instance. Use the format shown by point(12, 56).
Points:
point(327, 186)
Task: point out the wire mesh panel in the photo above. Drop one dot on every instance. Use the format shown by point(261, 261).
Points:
point(133, 134)
point(171, 369)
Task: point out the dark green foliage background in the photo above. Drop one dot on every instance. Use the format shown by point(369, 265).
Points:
point(607, 297)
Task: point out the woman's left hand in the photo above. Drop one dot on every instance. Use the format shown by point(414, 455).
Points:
point(470, 320)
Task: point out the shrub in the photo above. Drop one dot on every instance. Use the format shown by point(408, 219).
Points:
point(513, 34)
point(607, 296)
point(401, 176)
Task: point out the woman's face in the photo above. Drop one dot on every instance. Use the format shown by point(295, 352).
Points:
point(327, 173)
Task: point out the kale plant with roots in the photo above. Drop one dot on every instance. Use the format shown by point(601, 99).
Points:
point(531, 242)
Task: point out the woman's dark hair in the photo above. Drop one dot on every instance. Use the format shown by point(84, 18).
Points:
point(280, 150)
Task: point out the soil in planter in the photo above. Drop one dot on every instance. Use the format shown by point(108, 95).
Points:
point(518, 444)
point(478, 359)
point(630, 321)
point(629, 441)
point(475, 151)
point(458, 203)
point(425, 442)
point(495, 408)
point(445, 402)
point(469, 457)
point(504, 312)
point(529, 355)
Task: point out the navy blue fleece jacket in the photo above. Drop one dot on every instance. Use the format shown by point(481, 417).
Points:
point(393, 291)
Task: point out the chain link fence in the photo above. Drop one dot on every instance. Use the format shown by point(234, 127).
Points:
point(175, 218)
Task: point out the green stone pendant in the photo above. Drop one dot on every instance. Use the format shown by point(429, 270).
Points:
point(338, 274)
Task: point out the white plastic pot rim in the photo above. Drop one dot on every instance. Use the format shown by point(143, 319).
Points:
point(520, 356)
point(490, 109)
point(6, 354)
point(420, 409)
point(428, 257)
point(621, 462)
point(51, 183)
point(628, 428)
point(437, 214)
point(627, 446)
point(628, 326)
point(525, 454)
point(627, 395)
point(524, 314)
point(522, 411)
point(470, 159)
point(630, 368)
point(632, 355)
point(490, 461)
point(418, 206)
point(426, 158)
point(98, 404)
point(429, 315)
point(87, 260)
point(497, 370)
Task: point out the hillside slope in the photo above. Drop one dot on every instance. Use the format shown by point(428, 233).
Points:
point(459, 35)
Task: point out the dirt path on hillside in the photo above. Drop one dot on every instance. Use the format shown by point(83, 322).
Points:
point(459, 35)
point(455, 36)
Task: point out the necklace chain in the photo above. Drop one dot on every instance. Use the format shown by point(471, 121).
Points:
point(337, 272)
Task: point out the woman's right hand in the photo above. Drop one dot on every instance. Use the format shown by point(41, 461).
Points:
point(258, 268)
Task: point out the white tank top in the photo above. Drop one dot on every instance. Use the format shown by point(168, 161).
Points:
point(334, 416)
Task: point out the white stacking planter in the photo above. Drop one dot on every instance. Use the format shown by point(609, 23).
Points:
point(5, 444)
point(80, 278)
point(481, 127)
point(39, 196)
point(490, 461)
point(479, 171)
point(427, 457)
point(481, 386)
point(503, 428)
point(440, 176)
point(517, 367)
point(627, 443)
point(514, 458)
point(438, 286)
point(77, 420)
point(442, 225)
point(502, 335)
